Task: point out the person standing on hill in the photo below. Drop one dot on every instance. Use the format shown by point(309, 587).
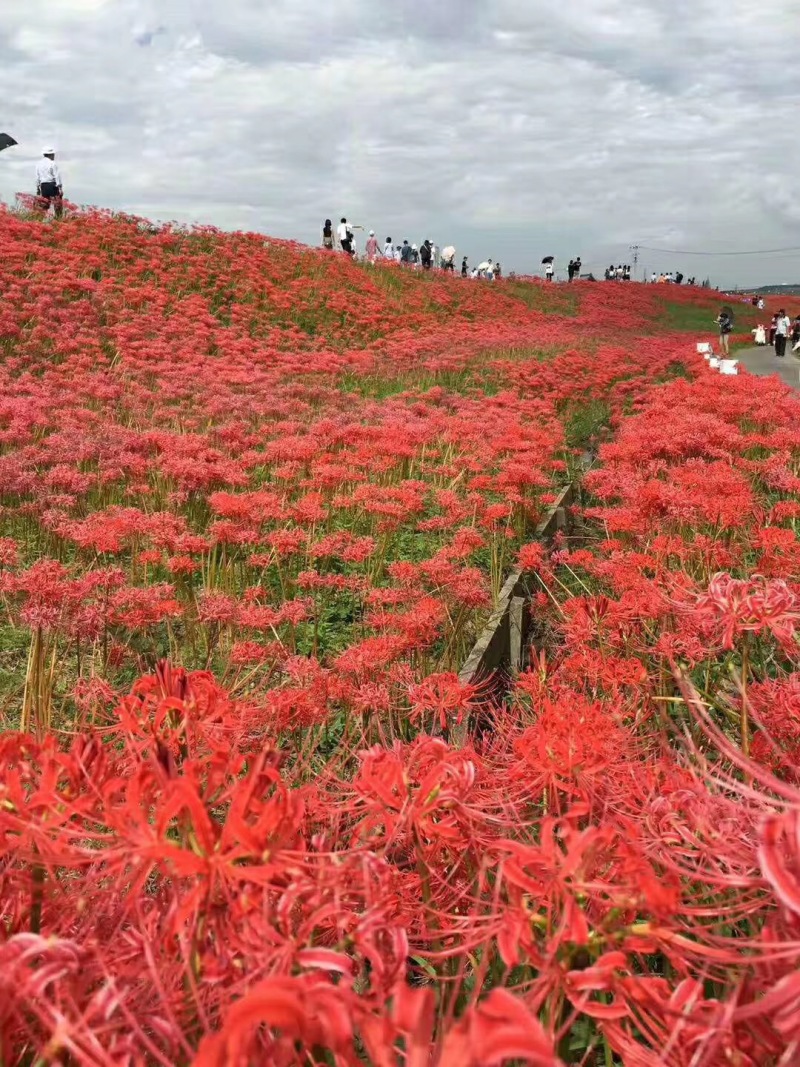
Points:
point(448, 258)
point(782, 328)
point(388, 249)
point(48, 182)
point(571, 270)
point(464, 267)
point(549, 271)
point(344, 231)
point(327, 235)
point(426, 254)
point(371, 247)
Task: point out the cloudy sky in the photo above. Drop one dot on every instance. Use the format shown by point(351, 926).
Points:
point(511, 128)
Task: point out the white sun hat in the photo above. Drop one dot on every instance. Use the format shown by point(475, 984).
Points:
point(48, 151)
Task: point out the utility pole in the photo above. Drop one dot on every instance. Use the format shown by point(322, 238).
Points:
point(635, 250)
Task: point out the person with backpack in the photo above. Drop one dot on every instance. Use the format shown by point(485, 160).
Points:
point(405, 254)
point(426, 254)
point(344, 231)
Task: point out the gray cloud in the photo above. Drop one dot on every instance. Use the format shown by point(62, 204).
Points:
point(512, 129)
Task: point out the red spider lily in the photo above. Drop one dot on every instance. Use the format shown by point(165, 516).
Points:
point(312, 478)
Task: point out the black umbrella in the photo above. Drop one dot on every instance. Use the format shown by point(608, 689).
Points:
point(548, 259)
point(6, 141)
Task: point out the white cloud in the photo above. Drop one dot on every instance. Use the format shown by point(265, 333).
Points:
point(512, 128)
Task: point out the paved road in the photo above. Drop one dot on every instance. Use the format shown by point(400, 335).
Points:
point(763, 362)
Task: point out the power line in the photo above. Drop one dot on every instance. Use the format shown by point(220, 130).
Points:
point(755, 252)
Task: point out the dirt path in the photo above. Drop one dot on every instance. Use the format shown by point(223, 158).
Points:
point(763, 362)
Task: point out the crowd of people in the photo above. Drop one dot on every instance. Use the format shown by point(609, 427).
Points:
point(780, 331)
point(670, 278)
point(426, 256)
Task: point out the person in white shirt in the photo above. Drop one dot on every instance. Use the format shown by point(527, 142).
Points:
point(48, 182)
point(388, 249)
point(549, 271)
point(782, 327)
point(344, 231)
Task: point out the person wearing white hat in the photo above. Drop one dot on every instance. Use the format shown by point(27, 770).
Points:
point(48, 182)
point(372, 247)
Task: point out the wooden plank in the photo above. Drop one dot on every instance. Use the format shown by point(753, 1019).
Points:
point(493, 647)
point(516, 616)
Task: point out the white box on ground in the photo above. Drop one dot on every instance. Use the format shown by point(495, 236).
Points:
point(703, 346)
point(729, 366)
point(713, 362)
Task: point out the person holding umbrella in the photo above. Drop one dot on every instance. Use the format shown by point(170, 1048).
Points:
point(725, 322)
point(48, 182)
point(549, 269)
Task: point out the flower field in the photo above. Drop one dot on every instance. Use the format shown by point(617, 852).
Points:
point(256, 504)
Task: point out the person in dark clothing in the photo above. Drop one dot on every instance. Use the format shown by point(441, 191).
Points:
point(498, 274)
point(571, 270)
point(426, 255)
point(725, 330)
point(327, 235)
point(405, 253)
point(464, 268)
point(772, 328)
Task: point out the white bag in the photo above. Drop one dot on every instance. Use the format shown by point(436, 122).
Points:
point(703, 347)
point(729, 366)
point(713, 362)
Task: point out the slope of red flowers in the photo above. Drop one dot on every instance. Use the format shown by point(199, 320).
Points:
point(256, 502)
